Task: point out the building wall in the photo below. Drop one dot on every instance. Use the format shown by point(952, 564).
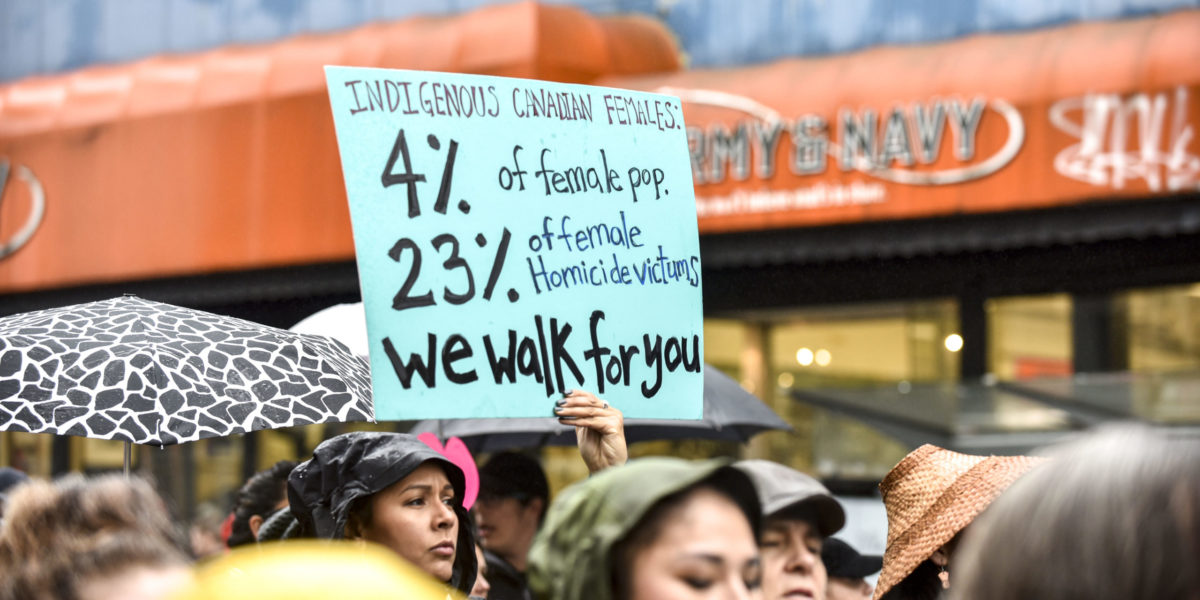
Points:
point(50, 36)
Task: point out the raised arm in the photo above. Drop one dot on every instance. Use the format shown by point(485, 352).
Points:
point(599, 429)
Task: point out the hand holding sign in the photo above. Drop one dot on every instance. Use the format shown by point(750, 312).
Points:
point(599, 429)
point(574, 202)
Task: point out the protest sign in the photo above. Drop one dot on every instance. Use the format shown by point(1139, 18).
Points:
point(519, 238)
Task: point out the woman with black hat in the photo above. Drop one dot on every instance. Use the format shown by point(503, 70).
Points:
point(391, 489)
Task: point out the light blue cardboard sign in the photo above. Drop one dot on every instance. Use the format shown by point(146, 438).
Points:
point(519, 238)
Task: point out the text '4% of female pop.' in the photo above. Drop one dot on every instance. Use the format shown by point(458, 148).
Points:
point(405, 298)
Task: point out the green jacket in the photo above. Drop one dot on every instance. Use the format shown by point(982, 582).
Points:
point(570, 557)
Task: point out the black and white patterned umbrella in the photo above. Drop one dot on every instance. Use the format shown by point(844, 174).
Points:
point(151, 373)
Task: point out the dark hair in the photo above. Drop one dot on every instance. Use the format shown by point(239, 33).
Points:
point(359, 516)
point(258, 496)
point(515, 475)
point(922, 584)
point(925, 583)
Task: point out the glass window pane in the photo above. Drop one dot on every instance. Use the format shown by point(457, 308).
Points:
point(218, 468)
point(1029, 336)
point(100, 455)
point(724, 343)
point(1164, 329)
point(897, 344)
point(28, 452)
point(867, 344)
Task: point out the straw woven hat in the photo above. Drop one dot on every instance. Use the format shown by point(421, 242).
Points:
point(933, 494)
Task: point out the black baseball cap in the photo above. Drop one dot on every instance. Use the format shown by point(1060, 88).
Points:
point(843, 561)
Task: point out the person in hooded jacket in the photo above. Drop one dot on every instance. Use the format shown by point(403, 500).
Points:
point(514, 493)
point(390, 489)
point(654, 529)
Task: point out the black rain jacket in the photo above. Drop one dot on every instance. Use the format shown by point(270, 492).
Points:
point(353, 466)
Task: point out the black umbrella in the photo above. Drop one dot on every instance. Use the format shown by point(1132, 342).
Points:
point(150, 373)
point(730, 413)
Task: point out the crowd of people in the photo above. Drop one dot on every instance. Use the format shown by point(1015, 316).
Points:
point(1112, 514)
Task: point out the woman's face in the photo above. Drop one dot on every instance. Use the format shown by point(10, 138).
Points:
point(791, 558)
point(704, 551)
point(415, 518)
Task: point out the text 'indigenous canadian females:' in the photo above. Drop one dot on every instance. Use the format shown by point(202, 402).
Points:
point(440, 99)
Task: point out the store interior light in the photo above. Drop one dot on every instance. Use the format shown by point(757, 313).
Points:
point(823, 357)
point(804, 356)
point(786, 380)
point(954, 342)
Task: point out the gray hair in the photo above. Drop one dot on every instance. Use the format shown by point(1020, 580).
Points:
point(1115, 514)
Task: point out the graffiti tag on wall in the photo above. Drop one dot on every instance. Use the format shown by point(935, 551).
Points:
point(1125, 139)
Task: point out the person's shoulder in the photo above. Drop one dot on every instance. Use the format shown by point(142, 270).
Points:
point(506, 581)
point(495, 561)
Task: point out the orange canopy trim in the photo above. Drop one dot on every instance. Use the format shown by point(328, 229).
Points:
point(227, 159)
point(530, 40)
point(997, 122)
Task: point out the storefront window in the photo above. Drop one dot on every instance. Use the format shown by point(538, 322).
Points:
point(847, 449)
point(1029, 336)
point(28, 452)
point(897, 344)
point(1164, 329)
point(219, 469)
point(97, 456)
point(725, 346)
point(869, 344)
